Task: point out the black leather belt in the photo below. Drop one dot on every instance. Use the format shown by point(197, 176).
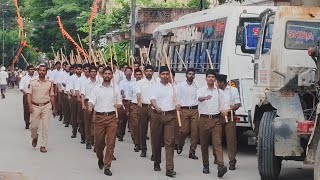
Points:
point(210, 116)
point(146, 105)
point(105, 113)
point(40, 104)
point(189, 107)
point(164, 112)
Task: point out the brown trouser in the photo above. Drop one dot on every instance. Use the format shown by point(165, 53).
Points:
point(189, 123)
point(60, 103)
point(163, 124)
point(105, 132)
point(80, 120)
point(74, 111)
point(230, 130)
point(88, 125)
point(134, 123)
point(40, 116)
point(145, 116)
point(66, 109)
point(26, 113)
point(211, 127)
point(123, 119)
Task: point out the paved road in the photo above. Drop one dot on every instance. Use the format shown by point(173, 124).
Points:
point(67, 159)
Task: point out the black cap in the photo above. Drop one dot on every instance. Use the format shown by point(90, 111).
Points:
point(222, 78)
point(164, 68)
point(148, 66)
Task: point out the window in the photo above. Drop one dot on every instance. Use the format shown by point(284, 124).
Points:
point(301, 35)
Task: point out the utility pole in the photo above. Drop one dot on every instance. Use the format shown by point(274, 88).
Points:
point(2, 42)
point(133, 25)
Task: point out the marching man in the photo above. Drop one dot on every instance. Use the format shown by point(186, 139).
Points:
point(40, 102)
point(106, 99)
point(231, 104)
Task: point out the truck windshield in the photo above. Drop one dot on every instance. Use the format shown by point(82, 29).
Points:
point(301, 35)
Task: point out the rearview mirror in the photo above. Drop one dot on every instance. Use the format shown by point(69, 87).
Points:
point(240, 36)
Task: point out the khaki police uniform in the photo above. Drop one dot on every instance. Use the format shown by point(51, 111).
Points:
point(40, 92)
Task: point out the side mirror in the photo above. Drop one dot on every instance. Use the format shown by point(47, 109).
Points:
point(240, 36)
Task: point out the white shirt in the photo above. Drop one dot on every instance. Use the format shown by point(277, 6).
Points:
point(118, 76)
point(3, 77)
point(25, 81)
point(57, 76)
point(125, 85)
point(187, 94)
point(79, 83)
point(145, 88)
point(163, 95)
point(230, 97)
point(135, 90)
point(88, 86)
point(212, 106)
point(103, 98)
point(71, 84)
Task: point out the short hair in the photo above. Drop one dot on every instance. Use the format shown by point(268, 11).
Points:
point(58, 63)
point(93, 68)
point(128, 68)
point(78, 66)
point(222, 78)
point(100, 66)
point(87, 65)
point(137, 70)
point(190, 70)
point(125, 64)
point(30, 66)
point(115, 62)
point(64, 63)
point(210, 72)
point(136, 62)
point(108, 68)
point(43, 65)
point(72, 66)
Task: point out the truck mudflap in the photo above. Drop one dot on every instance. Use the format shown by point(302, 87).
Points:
point(287, 141)
point(314, 141)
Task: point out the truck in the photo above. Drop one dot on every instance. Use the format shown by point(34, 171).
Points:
point(195, 39)
point(285, 106)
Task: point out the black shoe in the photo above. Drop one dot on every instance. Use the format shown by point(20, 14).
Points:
point(60, 118)
point(67, 125)
point(83, 141)
point(88, 146)
point(107, 172)
point(206, 169)
point(94, 149)
point(156, 167)
point(147, 138)
point(27, 126)
point(100, 164)
point(170, 173)
point(120, 139)
point(74, 135)
point(136, 148)
point(215, 162)
point(152, 157)
point(222, 170)
point(179, 149)
point(143, 154)
point(193, 156)
point(232, 167)
point(114, 158)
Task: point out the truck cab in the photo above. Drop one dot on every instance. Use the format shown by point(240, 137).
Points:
point(285, 87)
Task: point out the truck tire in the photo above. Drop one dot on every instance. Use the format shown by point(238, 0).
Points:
point(317, 164)
point(269, 165)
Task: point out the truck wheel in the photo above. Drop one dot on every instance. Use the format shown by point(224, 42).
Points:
point(268, 164)
point(317, 164)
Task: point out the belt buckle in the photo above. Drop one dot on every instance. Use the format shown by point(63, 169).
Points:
point(210, 116)
point(106, 114)
point(41, 104)
point(163, 112)
point(190, 107)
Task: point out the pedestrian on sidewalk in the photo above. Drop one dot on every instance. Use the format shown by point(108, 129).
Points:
point(3, 81)
point(41, 102)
